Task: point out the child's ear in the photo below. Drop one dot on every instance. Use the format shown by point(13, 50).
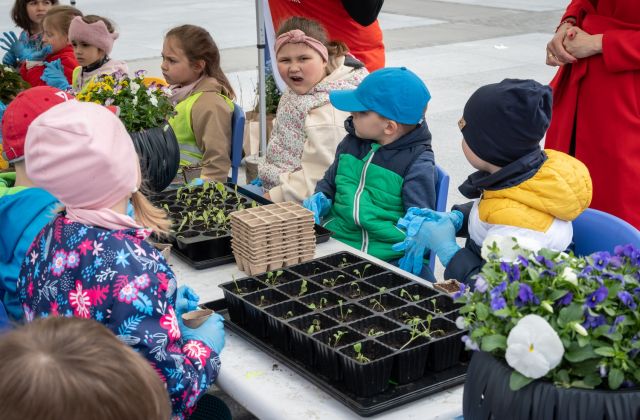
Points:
point(198, 65)
point(391, 128)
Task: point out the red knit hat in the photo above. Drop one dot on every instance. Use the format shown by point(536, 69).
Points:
point(25, 108)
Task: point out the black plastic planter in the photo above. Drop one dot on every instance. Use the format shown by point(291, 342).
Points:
point(415, 293)
point(355, 290)
point(410, 357)
point(348, 312)
point(321, 300)
point(232, 293)
point(382, 302)
point(333, 279)
point(366, 378)
point(487, 396)
point(341, 260)
point(440, 305)
point(299, 288)
point(278, 329)
point(277, 277)
point(325, 345)
point(256, 320)
point(444, 348)
point(375, 326)
point(388, 280)
point(364, 269)
point(310, 268)
point(304, 328)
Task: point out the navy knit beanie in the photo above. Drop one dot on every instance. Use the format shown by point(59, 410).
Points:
point(504, 121)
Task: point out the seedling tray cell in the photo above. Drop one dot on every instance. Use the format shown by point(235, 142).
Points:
point(371, 350)
point(200, 246)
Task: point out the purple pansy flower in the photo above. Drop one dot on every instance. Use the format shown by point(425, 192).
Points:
point(600, 260)
point(481, 284)
point(616, 321)
point(497, 291)
point(596, 297)
point(544, 261)
point(626, 298)
point(565, 300)
point(522, 260)
point(592, 322)
point(526, 295)
point(498, 303)
point(460, 292)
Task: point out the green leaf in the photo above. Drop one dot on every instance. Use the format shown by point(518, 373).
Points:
point(557, 294)
point(492, 342)
point(615, 378)
point(605, 351)
point(518, 381)
point(578, 354)
point(571, 313)
point(592, 380)
point(503, 313)
point(482, 311)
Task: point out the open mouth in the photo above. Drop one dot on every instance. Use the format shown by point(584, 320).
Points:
point(296, 79)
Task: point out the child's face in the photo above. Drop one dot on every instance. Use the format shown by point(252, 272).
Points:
point(54, 37)
point(369, 125)
point(176, 67)
point(301, 67)
point(86, 54)
point(36, 9)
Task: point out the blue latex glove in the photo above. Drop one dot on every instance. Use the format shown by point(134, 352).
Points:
point(13, 47)
point(210, 333)
point(414, 217)
point(186, 301)
point(196, 182)
point(9, 59)
point(3, 107)
point(33, 54)
point(53, 75)
point(257, 182)
point(319, 204)
point(441, 238)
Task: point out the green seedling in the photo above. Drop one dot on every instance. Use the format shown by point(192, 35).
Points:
point(261, 303)
point(332, 281)
point(359, 356)
point(272, 278)
point(435, 306)
point(288, 315)
point(343, 263)
point(375, 303)
point(361, 274)
point(373, 333)
point(185, 219)
point(354, 289)
point(303, 288)
point(314, 327)
point(419, 329)
point(343, 315)
point(412, 298)
point(336, 338)
point(321, 304)
point(235, 285)
point(166, 207)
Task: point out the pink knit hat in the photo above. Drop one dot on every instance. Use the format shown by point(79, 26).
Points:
point(296, 36)
point(81, 153)
point(96, 34)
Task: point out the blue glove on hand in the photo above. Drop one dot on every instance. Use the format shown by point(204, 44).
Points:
point(9, 59)
point(14, 48)
point(414, 217)
point(441, 238)
point(3, 107)
point(33, 54)
point(186, 301)
point(319, 204)
point(196, 182)
point(257, 182)
point(210, 333)
point(53, 75)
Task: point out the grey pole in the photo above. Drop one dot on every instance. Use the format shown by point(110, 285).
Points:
point(262, 95)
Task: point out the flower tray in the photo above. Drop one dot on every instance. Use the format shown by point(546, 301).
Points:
point(201, 245)
point(368, 356)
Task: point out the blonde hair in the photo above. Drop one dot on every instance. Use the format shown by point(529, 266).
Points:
point(76, 369)
point(60, 17)
point(314, 29)
point(148, 215)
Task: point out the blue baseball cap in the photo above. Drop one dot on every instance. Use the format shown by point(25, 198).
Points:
point(395, 93)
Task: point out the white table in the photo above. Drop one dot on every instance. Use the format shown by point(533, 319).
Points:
point(269, 389)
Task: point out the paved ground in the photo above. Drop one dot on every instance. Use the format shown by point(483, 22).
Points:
point(455, 46)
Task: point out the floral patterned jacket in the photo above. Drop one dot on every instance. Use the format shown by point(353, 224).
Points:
point(118, 279)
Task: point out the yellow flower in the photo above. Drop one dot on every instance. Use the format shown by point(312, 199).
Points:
point(97, 102)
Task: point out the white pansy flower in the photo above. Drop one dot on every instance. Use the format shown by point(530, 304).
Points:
point(153, 100)
point(533, 347)
point(135, 101)
point(134, 87)
point(568, 274)
point(510, 246)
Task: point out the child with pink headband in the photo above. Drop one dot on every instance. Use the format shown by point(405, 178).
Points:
point(92, 260)
point(307, 128)
point(92, 38)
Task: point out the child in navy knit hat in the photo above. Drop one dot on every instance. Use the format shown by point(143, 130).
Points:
point(519, 189)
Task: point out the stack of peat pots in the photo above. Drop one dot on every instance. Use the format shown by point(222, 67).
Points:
point(273, 236)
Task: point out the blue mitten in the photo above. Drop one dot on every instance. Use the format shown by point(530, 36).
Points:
point(319, 204)
point(210, 333)
point(186, 301)
point(53, 75)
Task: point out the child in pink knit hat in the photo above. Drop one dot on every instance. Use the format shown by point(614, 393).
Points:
point(92, 260)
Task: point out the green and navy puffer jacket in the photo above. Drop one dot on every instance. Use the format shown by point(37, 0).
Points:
point(372, 186)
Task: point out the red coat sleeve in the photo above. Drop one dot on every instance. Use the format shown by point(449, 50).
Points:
point(69, 63)
point(621, 50)
point(32, 75)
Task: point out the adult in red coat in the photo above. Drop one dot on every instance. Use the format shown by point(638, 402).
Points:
point(596, 95)
point(353, 22)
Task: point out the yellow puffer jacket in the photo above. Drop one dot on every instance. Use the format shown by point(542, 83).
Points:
point(560, 189)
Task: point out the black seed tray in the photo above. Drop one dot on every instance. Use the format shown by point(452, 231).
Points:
point(381, 313)
point(201, 247)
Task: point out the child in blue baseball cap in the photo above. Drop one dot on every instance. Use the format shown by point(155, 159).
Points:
point(383, 167)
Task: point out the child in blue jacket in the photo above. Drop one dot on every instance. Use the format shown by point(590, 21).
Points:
point(24, 210)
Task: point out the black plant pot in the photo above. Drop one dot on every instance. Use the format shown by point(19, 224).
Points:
point(325, 347)
point(159, 155)
point(487, 396)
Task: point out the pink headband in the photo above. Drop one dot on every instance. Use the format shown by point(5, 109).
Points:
point(95, 34)
point(81, 153)
point(296, 36)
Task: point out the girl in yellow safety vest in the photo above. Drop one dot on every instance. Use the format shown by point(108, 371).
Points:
point(203, 97)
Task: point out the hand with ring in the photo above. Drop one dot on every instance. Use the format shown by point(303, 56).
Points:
point(557, 55)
